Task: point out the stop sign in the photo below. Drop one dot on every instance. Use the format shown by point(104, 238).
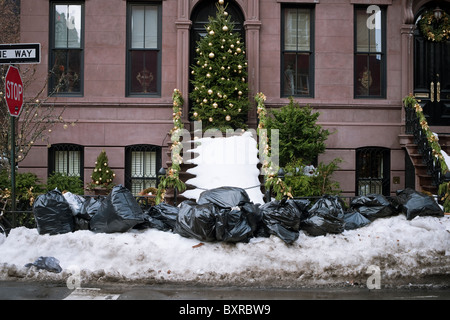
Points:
point(14, 91)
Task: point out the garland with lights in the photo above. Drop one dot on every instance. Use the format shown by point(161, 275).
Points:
point(172, 177)
point(273, 182)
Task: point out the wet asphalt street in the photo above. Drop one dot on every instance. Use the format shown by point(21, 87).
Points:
point(29, 290)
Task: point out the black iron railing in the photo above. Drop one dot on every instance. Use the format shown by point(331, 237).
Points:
point(433, 165)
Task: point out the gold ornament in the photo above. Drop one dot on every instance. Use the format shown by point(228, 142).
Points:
point(211, 55)
point(225, 28)
point(221, 1)
point(210, 91)
point(210, 119)
point(228, 118)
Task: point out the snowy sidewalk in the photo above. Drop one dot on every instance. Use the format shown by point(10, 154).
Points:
point(402, 249)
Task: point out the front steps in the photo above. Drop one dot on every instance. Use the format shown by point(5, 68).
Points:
point(423, 180)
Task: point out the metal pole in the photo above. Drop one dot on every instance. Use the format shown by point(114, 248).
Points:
point(13, 169)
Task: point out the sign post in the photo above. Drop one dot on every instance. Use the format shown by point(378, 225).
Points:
point(14, 101)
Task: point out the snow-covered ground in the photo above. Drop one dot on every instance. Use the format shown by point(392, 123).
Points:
point(402, 249)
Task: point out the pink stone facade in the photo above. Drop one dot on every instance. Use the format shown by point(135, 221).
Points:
point(107, 119)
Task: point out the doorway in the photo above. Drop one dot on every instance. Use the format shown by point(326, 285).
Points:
point(199, 17)
point(432, 70)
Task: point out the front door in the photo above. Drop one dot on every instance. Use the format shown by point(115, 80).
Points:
point(432, 78)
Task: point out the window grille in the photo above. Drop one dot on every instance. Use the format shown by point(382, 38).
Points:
point(141, 167)
point(66, 159)
point(373, 171)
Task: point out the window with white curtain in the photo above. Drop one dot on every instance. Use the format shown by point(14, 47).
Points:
point(142, 164)
point(66, 159)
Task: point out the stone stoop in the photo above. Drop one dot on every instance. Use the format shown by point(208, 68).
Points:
point(423, 179)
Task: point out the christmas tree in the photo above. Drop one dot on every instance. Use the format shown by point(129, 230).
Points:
point(102, 176)
point(220, 95)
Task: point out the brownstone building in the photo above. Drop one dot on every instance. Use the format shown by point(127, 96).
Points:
point(351, 60)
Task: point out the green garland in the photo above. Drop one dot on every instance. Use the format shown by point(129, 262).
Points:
point(172, 177)
point(277, 185)
point(442, 30)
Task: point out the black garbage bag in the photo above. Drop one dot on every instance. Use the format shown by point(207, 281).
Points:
point(325, 216)
point(282, 218)
point(75, 201)
point(235, 225)
point(197, 220)
point(253, 215)
point(322, 221)
point(163, 217)
point(53, 214)
point(373, 206)
point(224, 197)
point(118, 212)
point(413, 204)
point(90, 207)
point(46, 263)
point(237, 217)
point(333, 203)
point(354, 220)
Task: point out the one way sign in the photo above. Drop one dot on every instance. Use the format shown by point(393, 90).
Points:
point(16, 53)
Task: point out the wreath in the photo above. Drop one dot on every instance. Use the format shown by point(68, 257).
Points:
point(433, 29)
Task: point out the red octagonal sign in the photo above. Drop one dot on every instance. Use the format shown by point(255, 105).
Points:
point(14, 91)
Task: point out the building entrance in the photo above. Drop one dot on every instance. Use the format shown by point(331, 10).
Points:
point(432, 65)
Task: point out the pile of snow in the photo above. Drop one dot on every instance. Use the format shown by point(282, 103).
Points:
point(399, 247)
point(225, 161)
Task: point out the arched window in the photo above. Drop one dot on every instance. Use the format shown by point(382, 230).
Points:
point(142, 163)
point(373, 170)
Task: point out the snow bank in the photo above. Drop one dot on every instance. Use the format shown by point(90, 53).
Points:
point(226, 162)
point(400, 248)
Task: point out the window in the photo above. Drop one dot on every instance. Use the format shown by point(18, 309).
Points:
point(297, 57)
point(66, 48)
point(373, 171)
point(142, 163)
point(143, 49)
point(370, 52)
point(67, 159)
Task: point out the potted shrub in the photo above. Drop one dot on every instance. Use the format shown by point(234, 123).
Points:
point(102, 176)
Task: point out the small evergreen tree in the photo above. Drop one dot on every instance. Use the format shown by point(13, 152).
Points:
point(300, 136)
point(102, 176)
point(220, 95)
